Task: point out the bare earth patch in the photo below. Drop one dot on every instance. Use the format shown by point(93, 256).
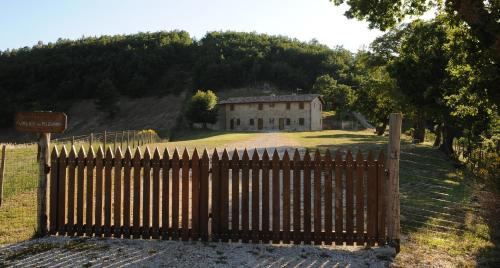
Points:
point(88, 252)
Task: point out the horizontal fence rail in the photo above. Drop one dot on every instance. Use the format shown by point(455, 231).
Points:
point(289, 198)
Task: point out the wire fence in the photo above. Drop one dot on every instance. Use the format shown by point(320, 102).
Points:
point(19, 176)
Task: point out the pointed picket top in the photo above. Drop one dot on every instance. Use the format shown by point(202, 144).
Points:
point(147, 153)
point(176, 155)
point(100, 152)
point(235, 156)
point(317, 157)
point(348, 156)
point(328, 155)
point(81, 152)
point(91, 153)
point(359, 159)
point(215, 155)
point(370, 157)
point(156, 155)
point(118, 153)
point(307, 156)
point(265, 155)
point(195, 155)
point(128, 153)
point(276, 156)
point(185, 154)
point(109, 154)
point(255, 156)
point(64, 153)
point(225, 155)
point(296, 155)
point(72, 153)
point(286, 156)
point(137, 155)
point(55, 152)
point(166, 154)
point(205, 157)
point(246, 157)
point(381, 158)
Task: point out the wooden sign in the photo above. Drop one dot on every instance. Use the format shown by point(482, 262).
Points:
point(41, 122)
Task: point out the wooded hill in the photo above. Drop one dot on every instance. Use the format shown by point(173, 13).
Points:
point(53, 76)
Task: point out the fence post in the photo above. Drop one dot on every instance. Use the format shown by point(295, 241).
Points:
point(392, 181)
point(114, 145)
point(72, 140)
point(43, 170)
point(121, 140)
point(133, 140)
point(91, 139)
point(2, 173)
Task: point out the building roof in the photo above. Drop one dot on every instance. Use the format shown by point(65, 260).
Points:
point(276, 98)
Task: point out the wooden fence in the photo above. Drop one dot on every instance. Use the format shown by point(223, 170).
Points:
point(292, 198)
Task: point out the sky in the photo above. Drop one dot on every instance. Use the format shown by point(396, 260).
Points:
point(25, 22)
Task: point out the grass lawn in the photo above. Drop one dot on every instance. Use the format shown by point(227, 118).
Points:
point(444, 220)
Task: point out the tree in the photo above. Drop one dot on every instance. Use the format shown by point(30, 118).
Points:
point(482, 16)
point(340, 97)
point(202, 108)
point(108, 97)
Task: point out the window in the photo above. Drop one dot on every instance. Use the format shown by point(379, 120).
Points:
point(261, 106)
point(231, 107)
point(271, 121)
point(301, 105)
point(238, 122)
point(251, 122)
point(288, 106)
point(301, 121)
point(288, 121)
point(271, 105)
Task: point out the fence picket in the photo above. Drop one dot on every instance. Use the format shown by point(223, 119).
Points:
point(127, 165)
point(339, 219)
point(70, 225)
point(175, 195)
point(89, 219)
point(185, 196)
point(245, 198)
point(255, 197)
point(80, 186)
point(117, 198)
point(61, 188)
point(235, 197)
point(381, 195)
point(349, 199)
point(136, 210)
point(328, 165)
point(108, 168)
point(204, 198)
point(372, 200)
point(155, 213)
point(224, 196)
point(276, 197)
point(317, 198)
point(296, 198)
point(307, 198)
point(360, 203)
point(215, 197)
point(195, 186)
point(286, 198)
point(54, 192)
point(265, 234)
point(165, 195)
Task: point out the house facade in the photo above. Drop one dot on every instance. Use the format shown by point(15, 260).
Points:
point(281, 112)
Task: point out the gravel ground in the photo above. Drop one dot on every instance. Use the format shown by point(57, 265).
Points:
point(99, 252)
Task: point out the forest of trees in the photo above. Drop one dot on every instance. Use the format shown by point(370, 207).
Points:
point(51, 76)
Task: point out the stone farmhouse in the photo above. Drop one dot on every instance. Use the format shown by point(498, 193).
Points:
point(275, 112)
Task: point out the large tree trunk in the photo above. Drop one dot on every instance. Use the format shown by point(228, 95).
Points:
point(483, 24)
point(419, 130)
point(380, 129)
point(449, 133)
point(437, 131)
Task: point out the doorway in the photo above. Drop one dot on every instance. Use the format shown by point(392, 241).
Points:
point(260, 123)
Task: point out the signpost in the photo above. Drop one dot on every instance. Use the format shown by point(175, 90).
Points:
point(43, 123)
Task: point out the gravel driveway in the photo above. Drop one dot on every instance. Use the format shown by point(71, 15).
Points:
point(98, 252)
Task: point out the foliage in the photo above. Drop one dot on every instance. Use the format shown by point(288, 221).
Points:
point(52, 76)
point(202, 108)
point(340, 97)
point(107, 97)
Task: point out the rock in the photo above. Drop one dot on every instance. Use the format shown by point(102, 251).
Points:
point(385, 253)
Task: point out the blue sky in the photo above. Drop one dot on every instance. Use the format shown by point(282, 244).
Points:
point(25, 22)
